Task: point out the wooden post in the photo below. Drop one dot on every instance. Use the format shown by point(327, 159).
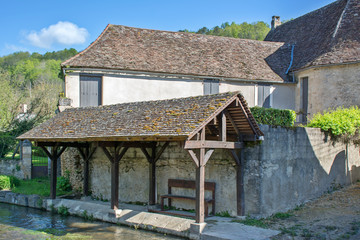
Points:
point(54, 155)
point(239, 182)
point(86, 155)
point(152, 178)
point(115, 159)
point(200, 183)
point(200, 190)
point(115, 184)
point(152, 169)
point(53, 176)
point(86, 178)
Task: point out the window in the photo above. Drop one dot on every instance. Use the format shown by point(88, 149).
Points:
point(211, 86)
point(264, 96)
point(90, 90)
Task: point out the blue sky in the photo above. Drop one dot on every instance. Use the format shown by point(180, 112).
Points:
point(41, 26)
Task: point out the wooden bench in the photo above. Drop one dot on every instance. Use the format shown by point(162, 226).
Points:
point(178, 183)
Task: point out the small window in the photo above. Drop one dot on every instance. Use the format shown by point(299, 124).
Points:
point(264, 96)
point(211, 87)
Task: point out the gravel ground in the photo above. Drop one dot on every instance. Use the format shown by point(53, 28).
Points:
point(335, 215)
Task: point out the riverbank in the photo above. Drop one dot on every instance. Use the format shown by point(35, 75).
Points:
point(138, 217)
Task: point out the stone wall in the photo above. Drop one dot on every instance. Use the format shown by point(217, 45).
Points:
point(288, 168)
point(330, 87)
point(292, 166)
point(13, 168)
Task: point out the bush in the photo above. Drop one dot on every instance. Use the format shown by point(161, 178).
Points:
point(339, 122)
point(63, 183)
point(274, 117)
point(8, 182)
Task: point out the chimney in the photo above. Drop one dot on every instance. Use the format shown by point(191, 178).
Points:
point(275, 22)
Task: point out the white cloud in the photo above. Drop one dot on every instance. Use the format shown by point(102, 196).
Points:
point(65, 33)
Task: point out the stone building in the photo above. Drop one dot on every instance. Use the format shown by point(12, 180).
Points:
point(308, 64)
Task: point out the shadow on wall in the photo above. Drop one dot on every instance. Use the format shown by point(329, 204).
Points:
point(292, 166)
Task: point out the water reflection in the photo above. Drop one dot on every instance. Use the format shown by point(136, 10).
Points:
point(35, 219)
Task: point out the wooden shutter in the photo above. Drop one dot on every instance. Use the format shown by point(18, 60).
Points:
point(305, 90)
point(264, 95)
point(211, 86)
point(90, 91)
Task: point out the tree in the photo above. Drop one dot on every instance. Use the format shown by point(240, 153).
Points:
point(256, 31)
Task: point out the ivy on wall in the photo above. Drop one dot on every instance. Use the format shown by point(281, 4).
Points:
point(274, 117)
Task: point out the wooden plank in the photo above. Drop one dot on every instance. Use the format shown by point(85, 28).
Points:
point(152, 177)
point(212, 144)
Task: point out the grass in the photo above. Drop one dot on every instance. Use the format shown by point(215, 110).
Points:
point(38, 186)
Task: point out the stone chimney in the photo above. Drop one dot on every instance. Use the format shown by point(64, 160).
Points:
point(275, 22)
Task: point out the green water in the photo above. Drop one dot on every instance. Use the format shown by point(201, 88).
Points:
point(34, 219)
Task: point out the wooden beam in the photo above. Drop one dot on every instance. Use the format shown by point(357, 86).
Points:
point(212, 144)
point(223, 127)
point(162, 149)
point(63, 144)
point(128, 144)
point(108, 155)
point(193, 157)
point(246, 115)
point(232, 122)
point(208, 155)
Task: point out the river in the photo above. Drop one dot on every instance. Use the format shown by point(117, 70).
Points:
point(34, 219)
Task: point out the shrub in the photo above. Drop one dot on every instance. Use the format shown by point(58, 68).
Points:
point(8, 182)
point(275, 117)
point(339, 122)
point(63, 184)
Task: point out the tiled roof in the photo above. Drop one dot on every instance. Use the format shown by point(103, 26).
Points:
point(173, 118)
point(329, 35)
point(127, 48)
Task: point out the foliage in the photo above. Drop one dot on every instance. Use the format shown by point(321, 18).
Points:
point(256, 31)
point(38, 186)
point(63, 183)
point(340, 122)
point(8, 182)
point(223, 214)
point(275, 117)
point(31, 79)
point(253, 222)
point(87, 216)
point(63, 210)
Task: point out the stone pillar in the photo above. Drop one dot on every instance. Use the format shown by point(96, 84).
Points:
point(26, 158)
